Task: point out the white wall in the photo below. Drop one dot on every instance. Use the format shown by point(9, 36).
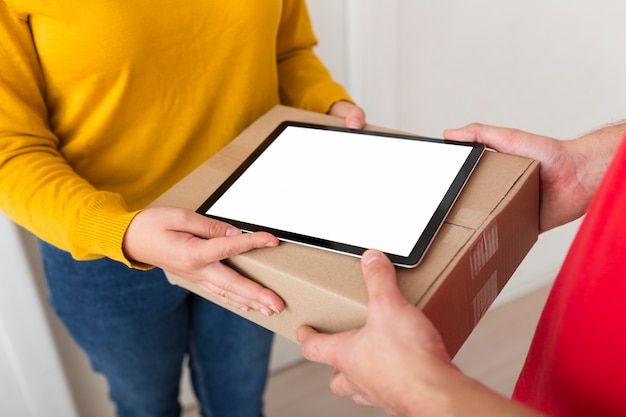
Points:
point(554, 68)
point(32, 382)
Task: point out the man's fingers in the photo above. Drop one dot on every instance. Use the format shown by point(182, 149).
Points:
point(305, 332)
point(319, 347)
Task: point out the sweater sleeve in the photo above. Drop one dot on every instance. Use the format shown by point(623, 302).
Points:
point(39, 190)
point(304, 80)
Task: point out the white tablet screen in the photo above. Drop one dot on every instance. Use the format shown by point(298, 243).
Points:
point(359, 190)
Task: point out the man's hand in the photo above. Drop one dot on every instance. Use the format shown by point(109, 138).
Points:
point(571, 170)
point(376, 365)
point(397, 361)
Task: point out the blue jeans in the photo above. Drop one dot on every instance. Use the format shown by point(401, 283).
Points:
point(137, 328)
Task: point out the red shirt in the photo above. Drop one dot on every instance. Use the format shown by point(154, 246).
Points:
point(576, 365)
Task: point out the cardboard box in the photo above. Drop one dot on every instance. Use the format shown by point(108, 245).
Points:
point(491, 228)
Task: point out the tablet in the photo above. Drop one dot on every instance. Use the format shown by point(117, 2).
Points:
point(347, 190)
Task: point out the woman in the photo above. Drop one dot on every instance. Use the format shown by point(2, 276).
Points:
point(105, 105)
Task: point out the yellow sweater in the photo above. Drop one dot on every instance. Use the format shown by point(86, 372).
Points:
point(105, 105)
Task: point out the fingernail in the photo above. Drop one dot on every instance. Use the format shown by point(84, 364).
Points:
point(271, 244)
point(275, 309)
point(265, 311)
point(262, 309)
point(231, 231)
point(370, 256)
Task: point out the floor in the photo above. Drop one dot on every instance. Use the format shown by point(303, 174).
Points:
point(493, 354)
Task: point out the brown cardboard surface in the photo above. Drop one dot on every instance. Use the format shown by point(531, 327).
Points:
point(491, 228)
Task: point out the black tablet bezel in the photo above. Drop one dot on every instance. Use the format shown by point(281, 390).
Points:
point(421, 244)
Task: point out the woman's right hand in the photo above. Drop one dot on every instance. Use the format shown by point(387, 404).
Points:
point(192, 246)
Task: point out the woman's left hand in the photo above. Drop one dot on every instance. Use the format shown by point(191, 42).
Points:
point(351, 113)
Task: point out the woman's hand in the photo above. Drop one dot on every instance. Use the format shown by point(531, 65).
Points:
point(192, 246)
point(351, 113)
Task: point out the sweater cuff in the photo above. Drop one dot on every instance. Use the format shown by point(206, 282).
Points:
point(101, 228)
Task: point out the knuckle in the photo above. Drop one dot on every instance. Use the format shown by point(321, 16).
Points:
point(227, 289)
point(230, 249)
point(222, 294)
point(477, 125)
point(214, 228)
point(214, 290)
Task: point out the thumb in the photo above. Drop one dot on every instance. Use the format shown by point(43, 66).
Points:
point(209, 228)
point(462, 134)
point(380, 278)
point(505, 140)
